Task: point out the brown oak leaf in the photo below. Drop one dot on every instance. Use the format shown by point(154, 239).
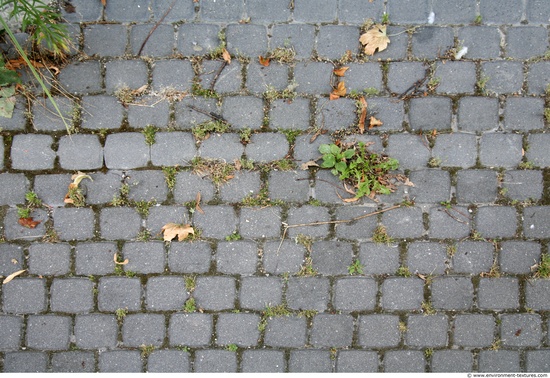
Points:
point(28, 222)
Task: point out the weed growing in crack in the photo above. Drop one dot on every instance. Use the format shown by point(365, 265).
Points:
point(381, 236)
point(355, 268)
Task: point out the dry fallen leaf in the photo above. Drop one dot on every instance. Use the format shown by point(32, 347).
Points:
point(73, 186)
point(171, 230)
point(28, 222)
point(340, 71)
point(14, 261)
point(374, 122)
point(104, 2)
point(264, 61)
point(12, 276)
point(375, 39)
point(118, 262)
point(339, 91)
point(308, 164)
point(363, 115)
point(198, 202)
point(226, 56)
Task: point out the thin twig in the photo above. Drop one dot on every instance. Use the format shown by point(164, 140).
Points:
point(224, 63)
point(155, 27)
point(212, 115)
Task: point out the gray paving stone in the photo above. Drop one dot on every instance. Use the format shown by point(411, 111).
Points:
point(84, 11)
point(80, 152)
point(430, 42)
point(229, 80)
point(94, 258)
point(476, 186)
point(32, 152)
point(215, 293)
point(221, 10)
point(356, 361)
point(452, 293)
point(217, 221)
point(498, 361)
point(243, 112)
point(401, 294)
point(402, 75)
point(358, 229)
point(427, 258)
point(409, 150)
point(150, 110)
point(362, 76)
point(104, 187)
point(143, 329)
point(13, 187)
point(503, 77)
point(308, 293)
point(427, 331)
point(538, 294)
point(404, 361)
point(119, 292)
point(379, 258)
point(487, 226)
point(121, 11)
point(49, 259)
point(159, 44)
point(304, 150)
point(46, 118)
point(51, 188)
point(473, 330)
point(517, 257)
point(14, 231)
point(243, 185)
point(286, 331)
point(498, 12)
point(293, 115)
point(215, 361)
point(239, 329)
point(257, 222)
point(168, 361)
point(225, 147)
point(408, 11)
point(331, 257)
point(289, 186)
point(334, 41)
point(537, 153)
point(473, 257)
point(72, 295)
point(498, 293)
point(48, 332)
point(267, 11)
point(238, 257)
point(118, 223)
point(263, 361)
point(378, 331)
point(257, 293)
point(95, 331)
point(403, 222)
point(266, 147)
point(537, 12)
point(537, 360)
point(354, 294)
point(74, 223)
point(308, 361)
point(315, 12)
point(181, 146)
point(102, 112)
point(300, 37)
point(308, 214)
point(521, 330)
point(288, 257)
point(246, 39)
point(430, 113)
point(105, 40)
point(147, 186)
point(430, 186)
point(354, 11)
point(165, 293)
point(144, 257)
point(456, 77)
point(313, 78)
point(189, 257)
point(260, 79)
point(500, 150)
point(25, 362)
point(73, 362)
point(336, 115)
point(18, 118)
point(187, 186)
point(456, 150)
point(523, 114)
point(332, 330)
point(456, 361)
point(538, 80)
point(164, 72)
point(197, 39)
point(122, 74)
point(526, 42)
point(478, 114)
point(81, 77)
point(126, 151)
point(449, 12)
point(120, 361)
point(11, 327)
point(161, 215)
point(397, 49)
point(191, 330)
point(24, 296)
point(483, 42)
point(11, 258)
point(535, 222)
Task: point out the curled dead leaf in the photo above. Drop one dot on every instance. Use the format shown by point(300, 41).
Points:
point(374, 122)
point(198, 202)
point(226, 56)
point(115, 259)
point(305, 166)
point(28, 222)
point(264, 61)
point(340, 71)
point(363, 115)
point(339, 91)
point(182, 231)
point(375, 39)
point(13, 275)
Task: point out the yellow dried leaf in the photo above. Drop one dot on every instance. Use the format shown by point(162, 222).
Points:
point(198, 202)
point(171, 230)
point(375, 39)
point(118, 262)
point(226, 56)
point(339, 91)
point(79, 176)
point(363, 115)
point(305, 166)
point(340, 71)
point(375, 123)
point(13, 275)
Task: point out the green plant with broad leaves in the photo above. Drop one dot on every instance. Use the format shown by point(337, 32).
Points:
point(362, 170)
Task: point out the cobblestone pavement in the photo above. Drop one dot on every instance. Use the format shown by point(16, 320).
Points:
point(457, 289)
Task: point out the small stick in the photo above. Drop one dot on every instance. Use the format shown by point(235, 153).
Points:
point(155, 27)
point(209, 114)
point(217, 75)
